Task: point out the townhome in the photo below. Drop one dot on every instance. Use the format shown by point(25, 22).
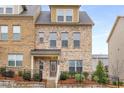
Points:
point(47, 42)
point(116, 49)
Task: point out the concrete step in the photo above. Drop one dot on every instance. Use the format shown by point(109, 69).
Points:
point(50, 84)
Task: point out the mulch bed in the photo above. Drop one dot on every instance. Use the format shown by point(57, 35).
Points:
point(19, 79)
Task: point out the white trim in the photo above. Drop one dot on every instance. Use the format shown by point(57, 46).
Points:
point(4, 9)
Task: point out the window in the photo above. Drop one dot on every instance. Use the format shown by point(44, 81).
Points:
point(1, 10)
point(41, 37)
point(64, 15)
point(15, 60)
point(69, 15)
point(4, 32)
point(75, 66)
point(76, 40)
point(6, 9)
point(60, 15)
point(64, 39)
point(52, 39)
point(9, 10)
point(16, 33)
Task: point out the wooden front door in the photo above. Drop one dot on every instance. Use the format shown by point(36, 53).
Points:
point(53, 68)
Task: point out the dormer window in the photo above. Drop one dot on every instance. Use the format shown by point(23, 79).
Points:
point(1, 10)
point(9, 10)
point(6, 9)
point(64, 15)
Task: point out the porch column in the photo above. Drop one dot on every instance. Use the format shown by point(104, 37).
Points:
point(32, 66)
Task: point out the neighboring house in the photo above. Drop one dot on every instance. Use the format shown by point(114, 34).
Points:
point(116, 49)
point(99, 57)
point(46, 41)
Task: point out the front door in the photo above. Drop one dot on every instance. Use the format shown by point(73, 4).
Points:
point(41, 70)
point(53, 68)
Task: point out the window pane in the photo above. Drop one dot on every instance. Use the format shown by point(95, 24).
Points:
point(76, 36)
point(69, 18)
point(60, 15)
point(71, 63)
point(4, 29)
point(9, 10)
point(19, 57)
point(1, 10)
point(52, 43)
point(18, 63)
point(11, 63)
point(64, 36)
point(71, 69)
point(76, 44)
point(79, 69)
point(52, 36)
point(60, 12)
point(4, 36)
point(60, 18)
point(16, 29)
point(69, 12)
point(64, 43)
point(40, 37)
point(79, 63)
point(16, 36)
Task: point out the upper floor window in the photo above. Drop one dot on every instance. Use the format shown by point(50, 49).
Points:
point(41, 37)
point(76, 39)
point(4, 32)
point(4, 9)
point(68, 15)
point(15, 60)
point(1, 10)
point(64, 15)
point(53, 39)
point(60, 15)
point(64, 39)
point(16, 33)
point(9, 10)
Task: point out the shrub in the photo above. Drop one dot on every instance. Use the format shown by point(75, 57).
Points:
point(2, 70)
point(20, 73)
point(27, 76)
point(9, 73)
point(36, 77)
point(64, 76)
point(86, 74)
point(114, 83)
point(100, 74)
point(120, 83)
point(71, 74)
point(79, 77)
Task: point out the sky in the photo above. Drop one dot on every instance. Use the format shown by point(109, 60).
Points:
point(104, 17)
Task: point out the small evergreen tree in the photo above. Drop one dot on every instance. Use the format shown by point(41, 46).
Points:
point(100, 74)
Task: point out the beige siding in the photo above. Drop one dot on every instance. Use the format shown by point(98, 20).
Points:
point(116, 50)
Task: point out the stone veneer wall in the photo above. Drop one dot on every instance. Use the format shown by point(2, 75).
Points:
point(85, 51)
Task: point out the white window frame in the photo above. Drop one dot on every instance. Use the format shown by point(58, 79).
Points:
point(15, 59)
point(75, 64)
point(4, 9)
point(18, 31)
point(64, 13)
point(1, 31)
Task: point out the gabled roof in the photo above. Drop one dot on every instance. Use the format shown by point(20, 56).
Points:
point(117, 19)
point(44, 18)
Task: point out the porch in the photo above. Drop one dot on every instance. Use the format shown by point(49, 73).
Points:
point(45, 62)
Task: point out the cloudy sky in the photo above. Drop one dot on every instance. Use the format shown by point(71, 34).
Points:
point(104, 18)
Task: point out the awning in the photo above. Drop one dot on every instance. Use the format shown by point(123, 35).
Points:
point(46, 52)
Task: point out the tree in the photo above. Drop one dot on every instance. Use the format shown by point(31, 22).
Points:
point(100, 74)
